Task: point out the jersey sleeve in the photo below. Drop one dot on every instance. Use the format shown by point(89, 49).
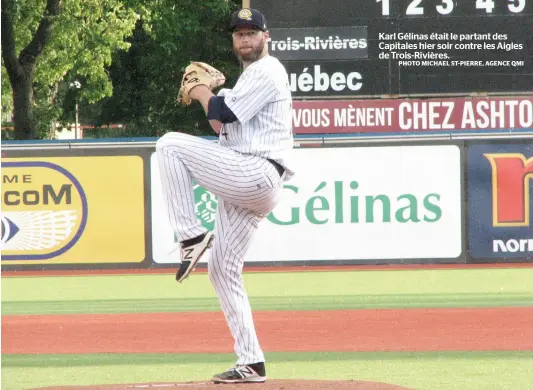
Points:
point(223, 92)
point(252, 92)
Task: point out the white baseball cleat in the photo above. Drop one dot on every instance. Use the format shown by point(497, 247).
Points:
point(192, 253)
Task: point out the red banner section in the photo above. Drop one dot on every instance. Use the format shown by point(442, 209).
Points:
point(412, 115)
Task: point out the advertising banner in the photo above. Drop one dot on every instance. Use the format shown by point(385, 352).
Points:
point(65, 210)
point(333, 43)
point(371, 203)
point(499, 201)
point(413, 115)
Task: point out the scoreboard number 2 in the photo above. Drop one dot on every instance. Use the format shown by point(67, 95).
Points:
point(415, 7)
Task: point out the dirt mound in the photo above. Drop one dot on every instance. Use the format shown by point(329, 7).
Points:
point(268, 385)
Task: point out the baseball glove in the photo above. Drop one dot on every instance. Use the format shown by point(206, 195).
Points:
point(199, 73)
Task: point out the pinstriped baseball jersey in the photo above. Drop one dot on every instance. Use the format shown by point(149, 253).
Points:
point(261, 101)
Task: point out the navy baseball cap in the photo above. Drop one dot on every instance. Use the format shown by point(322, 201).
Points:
point(248, 17)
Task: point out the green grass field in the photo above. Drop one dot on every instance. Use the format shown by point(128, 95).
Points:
point(275, 291)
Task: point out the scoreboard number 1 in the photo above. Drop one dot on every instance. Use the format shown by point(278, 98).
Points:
point(415, 7)
point(385, 7)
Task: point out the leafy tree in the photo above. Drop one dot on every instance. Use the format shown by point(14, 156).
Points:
point(146, 78)
point(46, 44)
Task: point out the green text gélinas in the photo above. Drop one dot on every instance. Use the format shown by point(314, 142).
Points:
point(357, 208)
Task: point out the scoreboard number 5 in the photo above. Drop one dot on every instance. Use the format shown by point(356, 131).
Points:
point(446, 6)
point(514, 6)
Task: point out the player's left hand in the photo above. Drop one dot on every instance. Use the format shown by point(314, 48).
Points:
point(199, 73)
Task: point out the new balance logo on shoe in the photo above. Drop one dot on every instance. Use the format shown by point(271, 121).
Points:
point(187, 253)
point(247, 371)
point(192, 253)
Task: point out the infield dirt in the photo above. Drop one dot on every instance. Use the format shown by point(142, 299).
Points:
point(460, 329)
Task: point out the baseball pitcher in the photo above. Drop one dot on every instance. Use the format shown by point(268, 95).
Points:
point(246, 169)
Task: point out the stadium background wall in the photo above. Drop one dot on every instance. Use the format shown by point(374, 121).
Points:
point(436, 203)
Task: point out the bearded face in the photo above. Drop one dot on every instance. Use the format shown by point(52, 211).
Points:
point(249, 44)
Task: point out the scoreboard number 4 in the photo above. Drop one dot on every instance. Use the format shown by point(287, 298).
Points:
point(415, 7)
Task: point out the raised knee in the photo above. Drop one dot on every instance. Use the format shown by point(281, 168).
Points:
point(161, 142)
point(171, 139)
point(165, 140)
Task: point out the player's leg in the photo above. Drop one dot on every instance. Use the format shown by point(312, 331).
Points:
point(235, 227)
point(247, 180)
point(177, 186)
point(176, 181)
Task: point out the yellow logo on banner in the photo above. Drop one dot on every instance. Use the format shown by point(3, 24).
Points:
point(58, 210)
point(44, 210)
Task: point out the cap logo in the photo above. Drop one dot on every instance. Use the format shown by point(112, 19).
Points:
point(245, 14)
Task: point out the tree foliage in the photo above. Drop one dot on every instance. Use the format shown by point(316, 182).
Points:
point(128, 55)
point(146, 79)
point(49, 42)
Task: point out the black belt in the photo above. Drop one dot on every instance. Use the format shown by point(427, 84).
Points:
point(278, 167)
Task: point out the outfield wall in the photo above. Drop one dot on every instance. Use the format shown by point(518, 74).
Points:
point(354, 200)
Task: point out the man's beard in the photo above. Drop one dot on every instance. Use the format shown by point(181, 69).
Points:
point(252, 55)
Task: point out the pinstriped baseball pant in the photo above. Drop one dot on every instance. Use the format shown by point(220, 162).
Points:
point(248, 188)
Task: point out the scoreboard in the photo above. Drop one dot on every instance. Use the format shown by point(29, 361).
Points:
point(451, 8)
point(402, 47)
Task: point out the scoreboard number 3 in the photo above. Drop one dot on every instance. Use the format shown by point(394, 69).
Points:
point(415, 7)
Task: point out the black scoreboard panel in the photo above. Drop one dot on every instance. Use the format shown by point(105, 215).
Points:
point(509, 23)
point(502, 77)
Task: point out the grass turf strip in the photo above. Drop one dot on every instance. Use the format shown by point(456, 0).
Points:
point(291, 284)
point(427, 370)
point(100, 359)
point(339, 302)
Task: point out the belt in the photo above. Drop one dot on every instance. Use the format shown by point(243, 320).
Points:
point(278, 167)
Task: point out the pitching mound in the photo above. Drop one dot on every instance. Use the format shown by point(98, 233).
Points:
point(268, 385)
